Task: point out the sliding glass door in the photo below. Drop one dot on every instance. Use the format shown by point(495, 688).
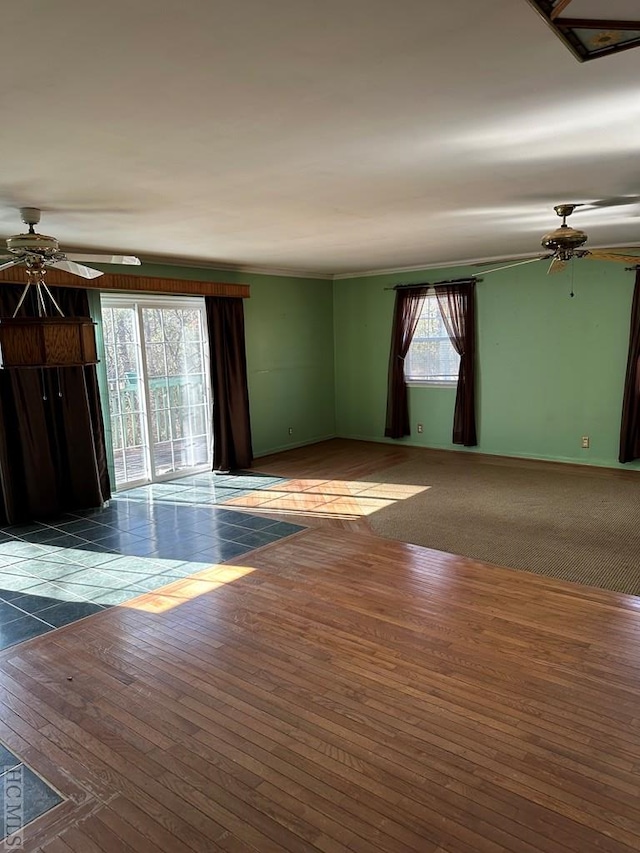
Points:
point(156, 353)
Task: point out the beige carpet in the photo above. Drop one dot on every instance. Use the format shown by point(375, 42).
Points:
point(576, 524)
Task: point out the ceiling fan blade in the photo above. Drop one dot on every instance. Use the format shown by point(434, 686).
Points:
point(105, 259)
point(613, 201)
point(596, 255)
point(617, 249)
point(75, 269)
point(514, 259)
point(518, 264)
point(556, 266)
point(11, 263)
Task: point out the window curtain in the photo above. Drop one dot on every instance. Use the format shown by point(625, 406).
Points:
point(231, 423)
point(457, 306)
point(405, 320)
point(52, 445)
point(630, 429)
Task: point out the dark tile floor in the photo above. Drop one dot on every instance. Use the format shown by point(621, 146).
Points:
point(56, 572)
point(24, 795)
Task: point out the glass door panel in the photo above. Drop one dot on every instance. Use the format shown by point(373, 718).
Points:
point(175, 351)
point(156, 353)
point(126, 404)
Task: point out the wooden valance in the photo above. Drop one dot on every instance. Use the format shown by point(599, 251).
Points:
point(135, 283)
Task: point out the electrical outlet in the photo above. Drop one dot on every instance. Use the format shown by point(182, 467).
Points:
point(419, 427)
point(585, 442)
point(290, 430)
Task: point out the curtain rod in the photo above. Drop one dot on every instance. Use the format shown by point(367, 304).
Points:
point(436, 283)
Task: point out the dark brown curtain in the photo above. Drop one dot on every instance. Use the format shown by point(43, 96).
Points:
point(405, 320)
point(458, 308)
point(231, 423)
point(630, 430)
point(52, 446)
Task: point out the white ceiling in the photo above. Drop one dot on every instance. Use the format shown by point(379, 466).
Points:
point(327, 137)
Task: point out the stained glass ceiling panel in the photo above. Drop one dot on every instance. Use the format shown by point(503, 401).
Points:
point(592, 28)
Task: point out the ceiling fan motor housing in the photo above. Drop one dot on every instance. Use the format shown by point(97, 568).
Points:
point(40, 244)
point(564, 239)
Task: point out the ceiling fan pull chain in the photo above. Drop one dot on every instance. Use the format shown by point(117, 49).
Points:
point(58, 381)
point(573, 269)
point(43, 385)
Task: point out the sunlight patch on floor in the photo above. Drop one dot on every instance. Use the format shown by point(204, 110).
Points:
point(326, 498)
point(185, 590)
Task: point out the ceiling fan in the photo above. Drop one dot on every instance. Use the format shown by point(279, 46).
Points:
point(565, 243)
point(45, 341)
point(38, 251)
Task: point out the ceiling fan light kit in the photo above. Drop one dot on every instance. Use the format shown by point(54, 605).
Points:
point(47, 340)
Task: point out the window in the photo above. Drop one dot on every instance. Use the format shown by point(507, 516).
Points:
point(431, 358)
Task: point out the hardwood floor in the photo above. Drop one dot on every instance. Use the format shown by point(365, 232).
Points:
point(337, 692)
point(337, 458)
point(348, 459)
point(331, 467)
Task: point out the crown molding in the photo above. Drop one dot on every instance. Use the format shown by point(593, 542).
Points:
point(240, 268)
point(427, 266)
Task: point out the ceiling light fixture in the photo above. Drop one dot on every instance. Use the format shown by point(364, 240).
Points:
point(588, 37)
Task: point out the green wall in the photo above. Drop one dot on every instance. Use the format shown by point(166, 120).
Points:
point(290, 361)
point(551, 367)
point(289, 337)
